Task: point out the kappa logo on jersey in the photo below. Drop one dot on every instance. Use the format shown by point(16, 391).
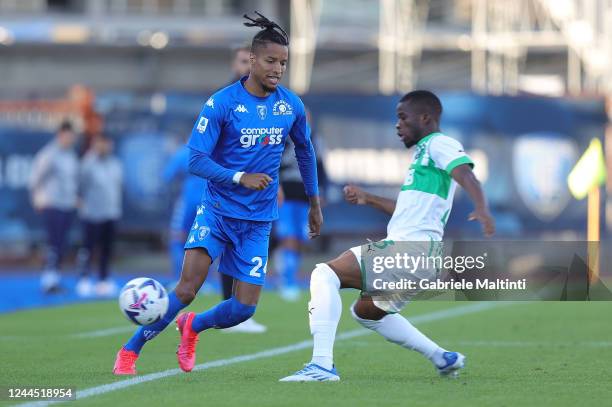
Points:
point(200, 210)
point(211, 103)
point(262, 111)
point(202, 123)
point(264, 136)
point(241, 109)
point(195, 225)
point(282, 108)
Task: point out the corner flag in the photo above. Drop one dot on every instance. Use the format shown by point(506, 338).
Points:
point(589, 171)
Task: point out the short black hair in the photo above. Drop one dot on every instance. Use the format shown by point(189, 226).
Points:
point(424, 100)
point(271, 32)
point(65, 126)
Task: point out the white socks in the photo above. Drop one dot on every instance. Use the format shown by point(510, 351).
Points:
point(324, 309)
point(397, 329)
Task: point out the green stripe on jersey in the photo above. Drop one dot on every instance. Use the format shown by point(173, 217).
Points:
point(457, 162)
point(445, 217)
point(429, 179)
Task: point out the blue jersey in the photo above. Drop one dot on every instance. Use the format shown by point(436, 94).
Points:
point(178, 168)
point(237, 131)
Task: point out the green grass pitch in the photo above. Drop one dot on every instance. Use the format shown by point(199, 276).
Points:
point(518, 354)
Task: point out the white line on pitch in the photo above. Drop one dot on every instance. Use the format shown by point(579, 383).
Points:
point(130, 328)
point(111, 387)
point(104, 332)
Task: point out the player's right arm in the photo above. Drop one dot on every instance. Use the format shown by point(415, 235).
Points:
point(203, 140)
point(358, 196)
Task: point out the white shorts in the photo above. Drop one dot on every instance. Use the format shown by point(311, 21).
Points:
point(394, 303)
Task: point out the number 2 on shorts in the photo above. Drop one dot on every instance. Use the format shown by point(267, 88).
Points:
point(255, 270)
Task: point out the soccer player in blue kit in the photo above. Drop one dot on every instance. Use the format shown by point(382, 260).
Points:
point(236, 145)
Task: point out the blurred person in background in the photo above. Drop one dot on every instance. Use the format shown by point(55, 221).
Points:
point(100, 193)
point(240, 63)
point(291, 228)
point(184, 209)
point(53, 189)
point(185, 206)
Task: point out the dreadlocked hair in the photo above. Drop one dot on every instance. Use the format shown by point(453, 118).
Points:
point(270, 31)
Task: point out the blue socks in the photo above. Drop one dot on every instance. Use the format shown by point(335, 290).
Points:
point(289, 264)
point(223, 315)
point(177, 252)
point(148, 332)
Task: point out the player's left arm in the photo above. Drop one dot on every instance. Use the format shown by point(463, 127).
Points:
point(307, 163)
point(465, 177)
point(449, 155)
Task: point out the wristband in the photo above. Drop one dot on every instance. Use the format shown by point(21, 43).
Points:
point(237, 176)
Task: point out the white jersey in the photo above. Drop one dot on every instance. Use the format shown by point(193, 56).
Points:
point(426, 198)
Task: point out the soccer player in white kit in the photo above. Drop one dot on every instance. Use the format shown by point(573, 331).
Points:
point(419, 214)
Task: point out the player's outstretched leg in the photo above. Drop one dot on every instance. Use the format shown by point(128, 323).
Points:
point(325, 309)
point(228, 313)
point(397, 329)
point(195, 269)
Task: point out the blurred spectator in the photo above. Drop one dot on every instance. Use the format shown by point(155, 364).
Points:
point(292, 225)
point(185, 206)
point(53, 188)
point(241, 64)
point(100, 185)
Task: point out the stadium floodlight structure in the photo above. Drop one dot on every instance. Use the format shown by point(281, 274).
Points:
point(504, 31)
point(400, 43)
point(587, 27)
point(492, 46)
point(499, 36)
point(305, 15)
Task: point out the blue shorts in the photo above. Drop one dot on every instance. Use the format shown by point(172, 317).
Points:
point(184, 213)
point(242, 244)
point(292, 220)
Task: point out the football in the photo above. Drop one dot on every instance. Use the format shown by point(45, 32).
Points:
point(143, 301)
